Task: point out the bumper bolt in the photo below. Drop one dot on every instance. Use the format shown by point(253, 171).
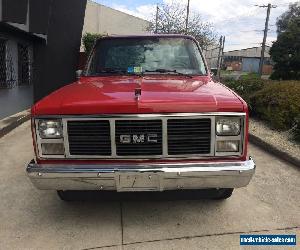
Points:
point(39, 174)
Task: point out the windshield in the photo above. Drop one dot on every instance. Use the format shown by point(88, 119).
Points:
point(146, 55)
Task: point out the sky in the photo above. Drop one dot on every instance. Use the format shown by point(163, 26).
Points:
point(240, 21)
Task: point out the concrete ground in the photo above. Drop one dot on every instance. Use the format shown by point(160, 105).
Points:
point(34, 219)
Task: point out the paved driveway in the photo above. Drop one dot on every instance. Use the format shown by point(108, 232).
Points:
point(33, 219)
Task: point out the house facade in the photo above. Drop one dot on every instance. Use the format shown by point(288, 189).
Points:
point(18, 35)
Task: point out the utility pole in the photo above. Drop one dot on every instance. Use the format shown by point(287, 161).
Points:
point(156, 19)
point(263, 47)
point(219, 57)
point(187, 17)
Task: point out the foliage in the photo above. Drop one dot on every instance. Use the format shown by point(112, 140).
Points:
point(89, 40)
point(285, 52)
point(287, 17)
point(246, 87)
point(275, 102)
point(250, 76)
point(172, 20)
point(278, 103)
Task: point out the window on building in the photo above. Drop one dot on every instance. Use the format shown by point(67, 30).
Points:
point(23, 65)
point(3, 83)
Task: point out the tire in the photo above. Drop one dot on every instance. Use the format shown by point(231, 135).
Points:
point(223, 193)
point(66, 195)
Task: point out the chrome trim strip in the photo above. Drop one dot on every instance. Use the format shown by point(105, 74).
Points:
point(126, 116)
point(213, 135)
point(165, 137)
point(141, 167)
point(112, 123)
point(66, 137)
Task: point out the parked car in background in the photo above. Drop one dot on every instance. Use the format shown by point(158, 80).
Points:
point(145, 115)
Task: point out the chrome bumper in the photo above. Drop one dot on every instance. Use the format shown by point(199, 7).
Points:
point(142, 177)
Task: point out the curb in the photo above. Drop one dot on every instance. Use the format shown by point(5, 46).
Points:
point(11, 122)
point(274, 150)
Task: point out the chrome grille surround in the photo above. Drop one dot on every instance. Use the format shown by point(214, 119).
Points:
point(163, 117)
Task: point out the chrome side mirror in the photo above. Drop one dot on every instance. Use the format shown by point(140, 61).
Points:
point(78, 73)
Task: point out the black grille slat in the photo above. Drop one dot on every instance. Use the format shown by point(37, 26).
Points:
point(138, 127)
point(189, 136)
point(89, 138)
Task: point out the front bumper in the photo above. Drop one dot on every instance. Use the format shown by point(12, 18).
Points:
point(141, 177)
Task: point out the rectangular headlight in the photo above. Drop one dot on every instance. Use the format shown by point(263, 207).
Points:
point(228, 146)
point(53, 148)
point(228, 126)
point(50, 129)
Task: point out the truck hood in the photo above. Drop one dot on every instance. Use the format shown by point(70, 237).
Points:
point(159, 94)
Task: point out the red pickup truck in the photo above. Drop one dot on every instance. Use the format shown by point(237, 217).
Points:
point(145, 115)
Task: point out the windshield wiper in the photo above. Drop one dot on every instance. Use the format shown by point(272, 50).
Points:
point(168, 71)
point(114, 71)
point(111, 70)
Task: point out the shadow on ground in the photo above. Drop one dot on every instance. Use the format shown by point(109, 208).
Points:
point(178, 195)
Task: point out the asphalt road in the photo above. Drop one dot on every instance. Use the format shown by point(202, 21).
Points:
point(33, 219)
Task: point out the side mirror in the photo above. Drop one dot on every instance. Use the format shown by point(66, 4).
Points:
point(78, 73)
point(214, 71)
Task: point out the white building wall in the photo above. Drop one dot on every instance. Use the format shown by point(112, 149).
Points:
point(105, 20)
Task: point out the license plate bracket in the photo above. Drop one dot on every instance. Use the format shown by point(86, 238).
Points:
point(134, 182)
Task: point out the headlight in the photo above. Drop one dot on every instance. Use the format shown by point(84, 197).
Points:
point(50, 129)
point(228, 126)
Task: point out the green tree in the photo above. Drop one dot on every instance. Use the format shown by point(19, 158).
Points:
point(287, 17)
point(89, 40)
point(171, 19)
point(285, 52)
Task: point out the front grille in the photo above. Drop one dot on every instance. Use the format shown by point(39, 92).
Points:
point(138, 137)
point(89, 138)
point(189, 136)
